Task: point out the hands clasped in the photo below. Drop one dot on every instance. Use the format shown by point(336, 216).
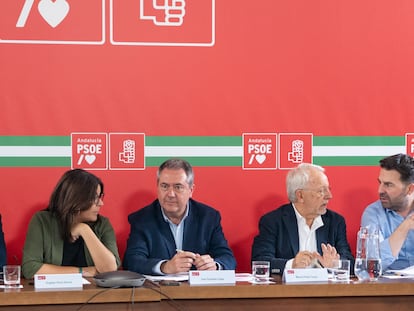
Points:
point(184, 260)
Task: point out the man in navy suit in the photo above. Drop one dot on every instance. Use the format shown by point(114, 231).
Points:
point(176, 233)
point(2, 247)
point(298, 234)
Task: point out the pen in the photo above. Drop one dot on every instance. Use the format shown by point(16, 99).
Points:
point(395, 273)
point(317, 264)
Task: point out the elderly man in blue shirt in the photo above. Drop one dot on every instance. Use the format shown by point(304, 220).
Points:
point(393, 212)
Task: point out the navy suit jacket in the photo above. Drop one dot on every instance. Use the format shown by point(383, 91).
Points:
point(278, 238)
point(151, 241)
point(3, 258)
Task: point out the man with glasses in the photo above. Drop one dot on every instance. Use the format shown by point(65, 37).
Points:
point(393, 213)
point(303, 233)
point(176, 233)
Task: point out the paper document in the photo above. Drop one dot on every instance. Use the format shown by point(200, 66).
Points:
point(169, 277)
point(244, 277)
point(405, 273)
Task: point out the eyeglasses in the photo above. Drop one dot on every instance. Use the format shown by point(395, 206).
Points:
point(177, 188)
point(320, 192)
point(98, 198)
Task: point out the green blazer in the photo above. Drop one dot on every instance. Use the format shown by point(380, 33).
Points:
point(44, 243)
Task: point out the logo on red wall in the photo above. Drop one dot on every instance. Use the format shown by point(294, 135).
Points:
point(294, 149)
point(409, 142)
point(89, 151)
point(52, 21)
point(126, 151)
point(259, 151)
point(162, 22)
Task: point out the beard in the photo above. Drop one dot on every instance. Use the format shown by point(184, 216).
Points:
point(397, 204)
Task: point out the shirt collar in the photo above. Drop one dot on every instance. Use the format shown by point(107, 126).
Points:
point(317, 222)
point(169, 221)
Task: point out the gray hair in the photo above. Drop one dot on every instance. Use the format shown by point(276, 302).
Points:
point(177, 164)
point(298, 178)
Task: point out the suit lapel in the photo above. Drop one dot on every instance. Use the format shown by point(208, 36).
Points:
point(166, 233)
point(190, 229)
point(322, 234)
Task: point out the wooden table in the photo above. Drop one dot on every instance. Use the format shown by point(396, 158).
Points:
point(382, 295)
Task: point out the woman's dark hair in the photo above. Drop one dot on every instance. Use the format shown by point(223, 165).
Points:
point(402, 163)
point(74, 192)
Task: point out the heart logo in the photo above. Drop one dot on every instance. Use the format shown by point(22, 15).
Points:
point(53, 12)
point(90, 158)
point(260, 158)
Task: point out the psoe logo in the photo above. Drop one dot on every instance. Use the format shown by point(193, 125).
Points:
point(52, 21)
point(126, 151)
point(89, 151)
point(409, 143)
point(259, 151)
point(294, 149)
point(162, 22)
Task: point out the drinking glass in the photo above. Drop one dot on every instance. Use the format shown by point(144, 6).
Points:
point(340, 270)
point(261, 270)
point(11, 275)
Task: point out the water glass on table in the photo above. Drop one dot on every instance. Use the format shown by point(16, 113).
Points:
point(340, 270)
point(261, 271)
point(11, 276)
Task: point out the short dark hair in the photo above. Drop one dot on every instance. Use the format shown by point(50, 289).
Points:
point(177, 164)
point(402, 163)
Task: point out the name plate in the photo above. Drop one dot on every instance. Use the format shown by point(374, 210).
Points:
point(305, 275)
point(58, 281)
point(212, 277)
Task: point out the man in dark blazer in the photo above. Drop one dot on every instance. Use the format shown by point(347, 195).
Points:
point(299, 234)
point(176, 233)
point(3, 258)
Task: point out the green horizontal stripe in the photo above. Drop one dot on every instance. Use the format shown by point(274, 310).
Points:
point(195, 161)
point(199, 161)
point(208, 140)
point(35, 161)
point(347, 161)
point(358, 140)
point(35, 141)
point(193, 141)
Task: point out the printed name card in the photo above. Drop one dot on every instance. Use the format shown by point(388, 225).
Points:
point(58, 281)
point(212, 277)
point(305, 275)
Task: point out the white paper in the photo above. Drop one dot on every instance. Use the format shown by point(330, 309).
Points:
point(244, 277)
point(170, 277)
point(407, 272)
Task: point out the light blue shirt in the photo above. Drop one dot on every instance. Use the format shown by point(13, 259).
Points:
point(178, 233)
point(387, 221)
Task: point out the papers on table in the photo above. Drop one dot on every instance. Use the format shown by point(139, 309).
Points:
point(248, 277)
point(397, 274)
point(240, 277)
point(170, 277)
point(244, 277)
